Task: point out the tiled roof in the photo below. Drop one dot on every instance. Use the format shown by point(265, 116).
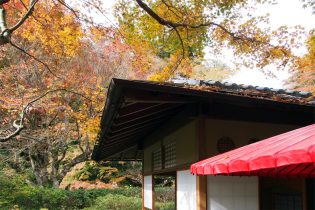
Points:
point(291, 96)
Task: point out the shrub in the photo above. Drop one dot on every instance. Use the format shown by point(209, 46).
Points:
point(165, 206)
point(128, 192)
point(27, 197)
point(36, 198)
point(16, 193)
point(164, 194)
point(116, 202)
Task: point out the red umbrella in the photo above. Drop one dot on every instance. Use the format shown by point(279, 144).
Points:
point(286, 155)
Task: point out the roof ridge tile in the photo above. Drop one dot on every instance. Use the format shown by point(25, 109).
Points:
point(237, 87)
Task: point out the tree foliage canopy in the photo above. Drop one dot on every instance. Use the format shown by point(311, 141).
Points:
point(181, 31)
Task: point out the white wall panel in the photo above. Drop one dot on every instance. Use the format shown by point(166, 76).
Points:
point(186, 191)
point(147, 200)
point(232, 193)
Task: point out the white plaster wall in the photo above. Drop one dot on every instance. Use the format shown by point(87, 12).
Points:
point(186, 191)
point(241, 132)
point(232, 193)
point(147, 200)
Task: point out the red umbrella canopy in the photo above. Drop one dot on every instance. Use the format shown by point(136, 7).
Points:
point(287, 155)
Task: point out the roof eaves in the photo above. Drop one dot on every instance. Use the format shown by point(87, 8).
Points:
point(113, 100)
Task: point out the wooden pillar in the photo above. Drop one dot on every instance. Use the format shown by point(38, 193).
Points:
point(202, 154)
point(153, 199)
point(176, 189)
point(142, 171)
point(201, 192)
point(142, 190)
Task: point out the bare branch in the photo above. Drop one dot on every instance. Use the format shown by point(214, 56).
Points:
point(162, 21)
point(5, 32)
point(38, 21)
point(53, 119)
point(5, 35)
point(19, 124)
point(170, 8)
point(62, 2)
point(79, 135)
point(35, 58)
point(171, 24)
point(181, 42)
point(3, 23)
point(24, 18)
point(53, 91)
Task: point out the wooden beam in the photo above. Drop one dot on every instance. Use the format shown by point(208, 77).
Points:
point(114, 149)
point(135, 108)
point(134, 147)
point(123, 139)
point(129, 154)
point(146, 113)
point(130, 132)
point(125, 159)
point(136, 155)
point(121, 155)
point(156, 97)
point(127, 104)
point(135, 127)
point(145, 119)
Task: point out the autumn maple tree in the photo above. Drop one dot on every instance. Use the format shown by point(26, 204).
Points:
point(53, 86)
point(304, 78)
point(179, 31)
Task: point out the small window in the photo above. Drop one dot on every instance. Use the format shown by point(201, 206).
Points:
point(170, 155)
point(157, 160)
point(225, 144)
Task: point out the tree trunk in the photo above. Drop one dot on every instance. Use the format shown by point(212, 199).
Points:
point(44, 176)
point(36, 171)
point(54, 170)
